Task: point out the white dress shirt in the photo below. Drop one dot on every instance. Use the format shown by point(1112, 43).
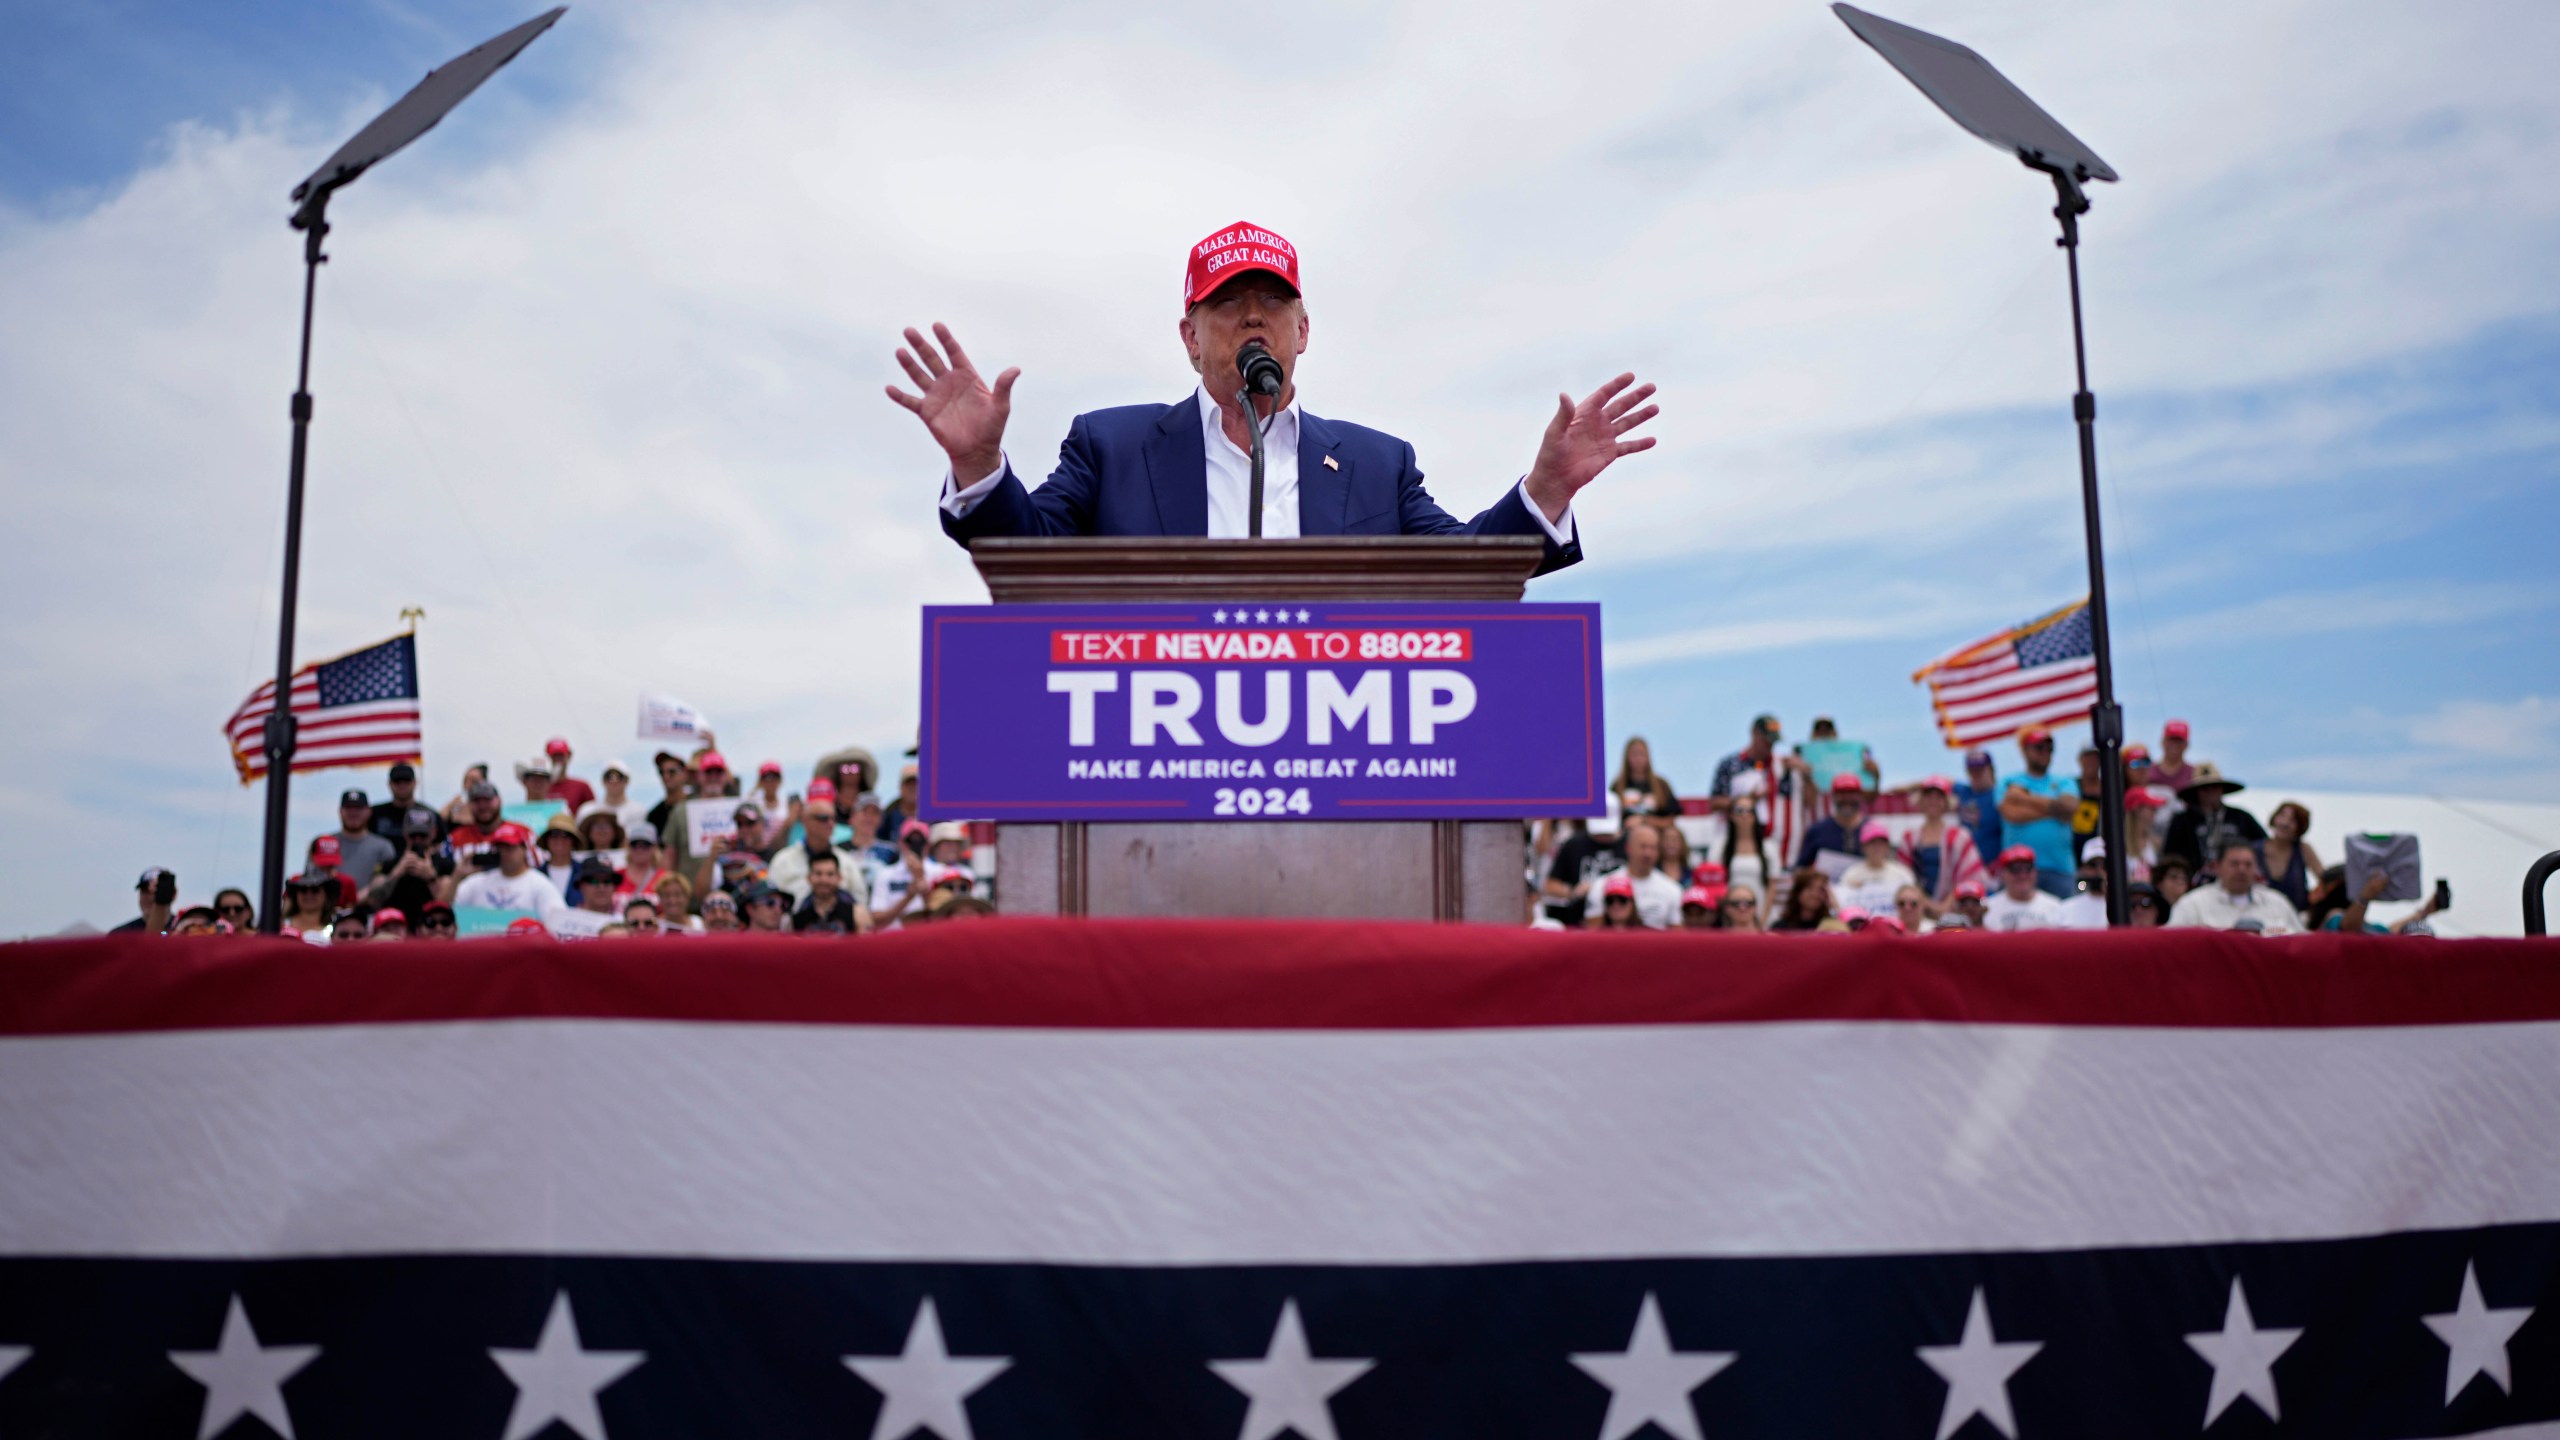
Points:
point(1229, 473)
point(2215, 908)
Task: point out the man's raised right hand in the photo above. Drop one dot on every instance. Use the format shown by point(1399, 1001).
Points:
point(966, 418)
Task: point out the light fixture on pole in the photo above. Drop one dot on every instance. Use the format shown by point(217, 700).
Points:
point(1982, 100)
point(411, 116)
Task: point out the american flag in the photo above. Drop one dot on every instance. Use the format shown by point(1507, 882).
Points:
point(359, 709)
point(1165, 1180)
point(2044, 672)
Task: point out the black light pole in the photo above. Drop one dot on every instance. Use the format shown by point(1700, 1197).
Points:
point(2106, 720)
point(413, 115)
point(1982, 100)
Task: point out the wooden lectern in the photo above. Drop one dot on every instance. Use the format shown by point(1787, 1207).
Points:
point(1346, 869)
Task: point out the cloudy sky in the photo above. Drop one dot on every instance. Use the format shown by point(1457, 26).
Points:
point(600, 359)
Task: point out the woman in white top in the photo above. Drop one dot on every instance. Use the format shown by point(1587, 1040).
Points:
point(1878, 877)
point(1746, 856)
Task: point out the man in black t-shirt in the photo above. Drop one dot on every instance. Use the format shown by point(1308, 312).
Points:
point(828, 907)
point(1582, 858)
point(391, 816)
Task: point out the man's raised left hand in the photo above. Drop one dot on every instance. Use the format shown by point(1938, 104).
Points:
point(1584, 438)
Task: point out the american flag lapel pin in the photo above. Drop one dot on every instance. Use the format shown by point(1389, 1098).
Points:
point(1331, 464)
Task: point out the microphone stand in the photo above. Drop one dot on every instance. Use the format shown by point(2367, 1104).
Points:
point(1253, 427)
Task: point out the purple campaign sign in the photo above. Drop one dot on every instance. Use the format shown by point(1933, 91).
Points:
point(1328, 711)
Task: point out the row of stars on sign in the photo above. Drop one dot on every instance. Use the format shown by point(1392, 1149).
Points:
point(1259, 617)
point(926, 1387)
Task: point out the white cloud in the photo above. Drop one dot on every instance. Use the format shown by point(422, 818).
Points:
point(2354, 610)
point(2524, 732)
point(600, 387)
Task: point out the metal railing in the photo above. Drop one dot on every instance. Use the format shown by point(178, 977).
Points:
point(2535, 921)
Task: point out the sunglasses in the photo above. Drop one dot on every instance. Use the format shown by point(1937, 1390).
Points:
point(434, 922)
point(231, 909)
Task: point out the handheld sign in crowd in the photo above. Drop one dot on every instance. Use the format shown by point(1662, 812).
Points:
point(1261, 711)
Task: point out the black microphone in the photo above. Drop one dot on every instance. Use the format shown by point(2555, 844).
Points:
point(1261, 373)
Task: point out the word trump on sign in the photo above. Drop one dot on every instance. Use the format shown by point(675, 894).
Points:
point(1163, 703)
point(1057, 712)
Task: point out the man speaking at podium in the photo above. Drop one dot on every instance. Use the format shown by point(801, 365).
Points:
point(1184, 469)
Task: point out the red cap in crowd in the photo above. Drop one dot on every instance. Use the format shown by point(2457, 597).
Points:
point(2034, 735)
point(526, 925)
point(388, 915)
point(1231, 252)
point(1698, 895)
point(914, 827)
point(1709, 872)
point(2136, 751)
point(2145, 797)
point(324, 851)
point(1939, 783)
point(1845, 783)
point(1874, 830)
point(1883, 925)
point(1620, 885)
point(2017, 855)
point(822, 790)
point(556, 745)
point(1969, 890)
point(511, 833)
point(770, 767)
point(711, 761)
point(2174, 730)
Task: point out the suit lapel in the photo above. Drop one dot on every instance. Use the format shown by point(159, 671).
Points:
point(1178, 471)
point(1324, 478)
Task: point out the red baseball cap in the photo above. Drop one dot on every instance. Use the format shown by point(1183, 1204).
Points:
point(1874, 830)
point(325, 849)
point(2174, 730)
point(2034, 735)
point(2016, 854)
point(1620, 885)
point(710, 760)
point(2145, 797)
point(1884, 925)
point(2136, 752)
point(511, 833)
point(1232, 251)
point(1709, 872)
point(822, 790)
point(526, 925)
point(770, 767)
point(387, 914)
point(555, 746)
point(1969, 890)
point(1845, 784)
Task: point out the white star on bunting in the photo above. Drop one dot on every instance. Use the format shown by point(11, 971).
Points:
point(1289, 1389)
point(925, 1387)
point(2243, 1358)
point(240, 1376)
point(558, 1378)
point(1304, 616)
point(2475, 1337)
point(1218, 615)
point(1262, 617)
point(1977, 1370)
point(1649, 1381)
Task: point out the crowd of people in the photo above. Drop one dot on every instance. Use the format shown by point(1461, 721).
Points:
point(717, 852)
point(1779, 845)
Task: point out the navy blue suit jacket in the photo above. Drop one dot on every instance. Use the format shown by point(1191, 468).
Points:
point(1141, 470)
